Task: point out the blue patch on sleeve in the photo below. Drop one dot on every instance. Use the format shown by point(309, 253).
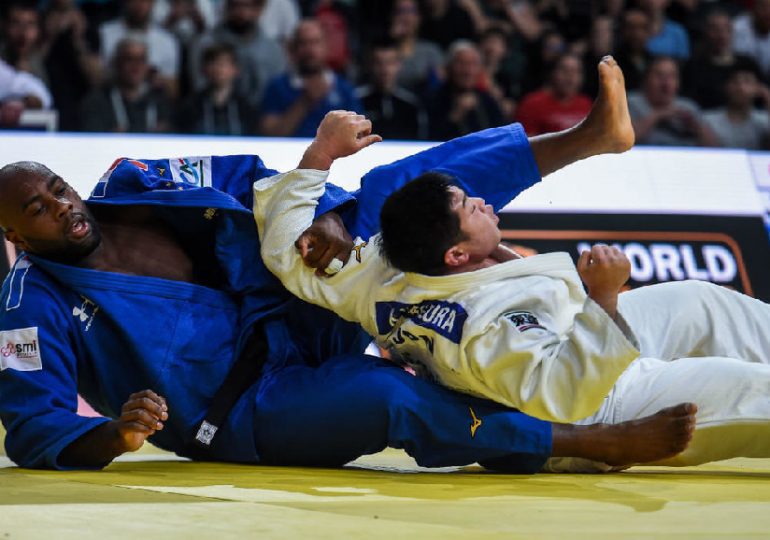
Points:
point(445, 318)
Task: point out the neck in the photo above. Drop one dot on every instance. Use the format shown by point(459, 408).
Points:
point(220, 95)
point(501, 254)
point(738, 112)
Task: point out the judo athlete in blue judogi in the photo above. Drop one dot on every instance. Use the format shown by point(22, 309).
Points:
point(155, 282)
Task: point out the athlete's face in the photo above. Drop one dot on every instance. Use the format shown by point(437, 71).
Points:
point(43, 215)
point(478, 224)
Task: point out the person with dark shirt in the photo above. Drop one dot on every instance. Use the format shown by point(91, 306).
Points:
point(72, 64)
point(704, 75)
point(129, 104)
point(444, 22)
point(395, 112)
point(459, 106)
point(21, 38)
point(631, 53)
point(218, 109)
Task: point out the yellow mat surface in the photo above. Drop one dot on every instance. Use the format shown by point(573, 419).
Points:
point(154, 495)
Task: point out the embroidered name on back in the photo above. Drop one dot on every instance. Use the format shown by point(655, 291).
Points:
point(445, 318)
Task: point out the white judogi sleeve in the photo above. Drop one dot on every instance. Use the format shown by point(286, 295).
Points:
point(552, 376)
point(284, 206)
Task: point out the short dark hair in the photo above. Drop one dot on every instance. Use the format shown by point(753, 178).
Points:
point(418, 225)
point(213, 52)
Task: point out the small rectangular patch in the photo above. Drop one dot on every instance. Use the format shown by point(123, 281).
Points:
point(523, 320)
point(191, 171)
point(20, 350)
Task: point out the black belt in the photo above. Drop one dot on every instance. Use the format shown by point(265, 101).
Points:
point(244, 373)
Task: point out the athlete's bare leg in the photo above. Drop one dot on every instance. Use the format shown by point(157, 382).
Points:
point(607, 129)
point(662, 435)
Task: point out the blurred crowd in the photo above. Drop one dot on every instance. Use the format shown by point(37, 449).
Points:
point(420, 69)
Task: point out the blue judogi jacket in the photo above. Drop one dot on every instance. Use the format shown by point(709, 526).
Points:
point(65, 329)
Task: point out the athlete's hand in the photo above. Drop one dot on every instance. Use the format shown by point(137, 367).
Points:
point(324, 240)
point(341, 134)
point(604, 270)
point(141, 416)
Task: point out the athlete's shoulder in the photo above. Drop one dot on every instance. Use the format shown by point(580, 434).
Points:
point(28, 291)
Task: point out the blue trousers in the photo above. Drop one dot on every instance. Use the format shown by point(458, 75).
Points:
point(327, 404)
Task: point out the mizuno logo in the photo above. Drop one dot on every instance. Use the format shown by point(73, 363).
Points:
point(475, 424)
point(357, 248)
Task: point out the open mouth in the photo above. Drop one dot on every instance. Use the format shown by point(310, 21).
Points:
point(79, 227)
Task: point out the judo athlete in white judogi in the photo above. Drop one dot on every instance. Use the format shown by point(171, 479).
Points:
point(524, 332)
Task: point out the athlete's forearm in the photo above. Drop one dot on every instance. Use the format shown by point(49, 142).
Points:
point(95, 448)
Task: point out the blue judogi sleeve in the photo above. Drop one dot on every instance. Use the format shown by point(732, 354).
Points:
point(496, 164)
point(38, 369)
point(146, 181)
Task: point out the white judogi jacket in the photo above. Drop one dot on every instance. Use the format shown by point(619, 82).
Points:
point(522, 333)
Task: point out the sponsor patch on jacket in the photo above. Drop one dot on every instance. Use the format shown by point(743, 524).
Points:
point(191, 171)
point(445, 318)
point(523, 320)
point(20, 350)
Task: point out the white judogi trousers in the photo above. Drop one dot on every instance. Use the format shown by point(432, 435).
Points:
point(703, 344)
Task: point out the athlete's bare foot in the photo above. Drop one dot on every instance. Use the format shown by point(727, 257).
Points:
point(609, 119)
point(660, 436)
point(606, 129)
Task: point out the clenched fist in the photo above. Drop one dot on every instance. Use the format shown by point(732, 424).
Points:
point(604, 270)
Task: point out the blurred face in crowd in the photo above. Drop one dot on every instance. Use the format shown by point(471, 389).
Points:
point(761, 15)
point(221, 70)
point(602, 35)
point(385, 66)
point(131, 67)
point(742, 89)
point(242, 15)
point(493, 48)
point(308, 48)
point(654, 7)
point(464, 69)
point(552, 47)
point(22, 30)
point(567, 77)
point(138, 12)
point(406, 19)
point(636, 30)
point(719, 33)
point(662, 82)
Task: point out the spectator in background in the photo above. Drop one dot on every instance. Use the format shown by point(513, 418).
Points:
point(218, 109)
point(632, 54)
point(543, 55)
point(19, 91)
point(162, 47)
point(73, 66)
point(444, 22)
point(459, 106)
point(600, 44)
point(705, 74)
point(669, 38)
point(739, 124)
point(660, 116)
point(502, 72)
point(559, 105)
point(21, 39)
point(184, 18)
point(259, 57)
point(334, 19)
point(421, 60)
point(296, 102)
point(129, 104)
point(279, 19)
point(751, 35)
point(395, 112)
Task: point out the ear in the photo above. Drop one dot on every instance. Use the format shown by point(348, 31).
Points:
point(455, 256)
point(16, 240)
